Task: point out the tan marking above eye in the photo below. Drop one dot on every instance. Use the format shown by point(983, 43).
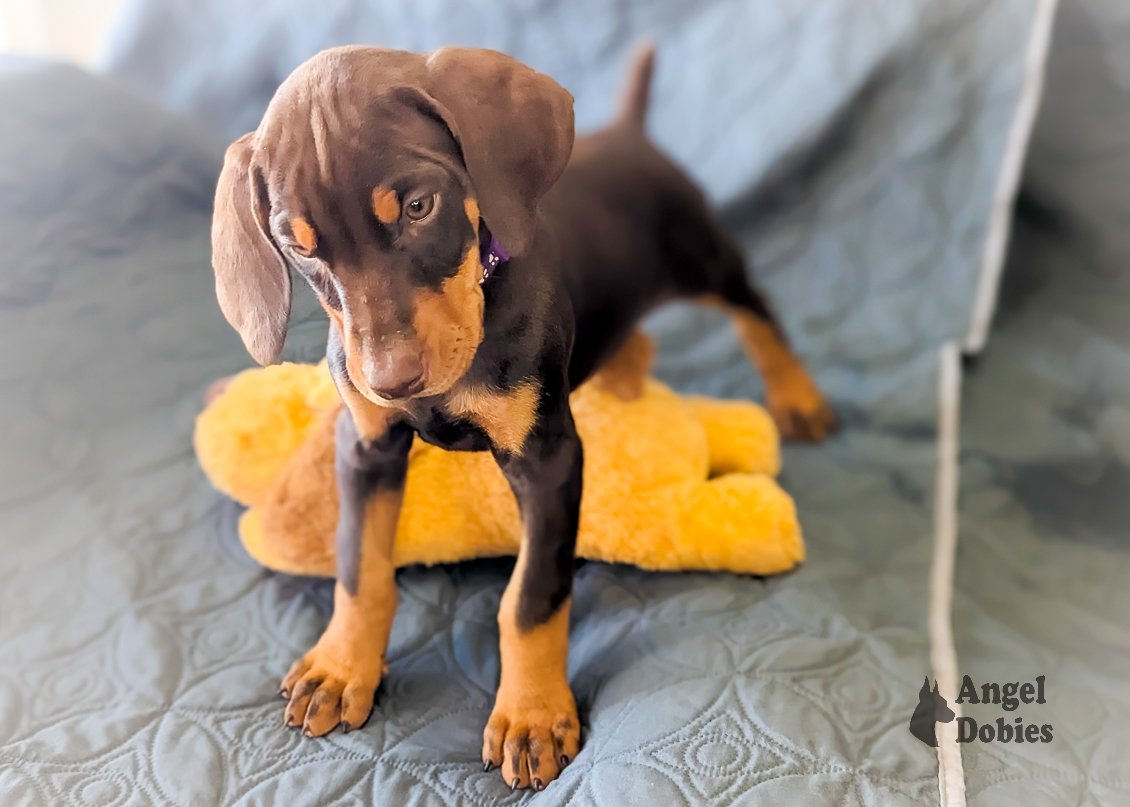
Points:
point(303, 233)
point(385, 205)
point(472, 208)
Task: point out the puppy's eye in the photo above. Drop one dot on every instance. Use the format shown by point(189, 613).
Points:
point(420, 207)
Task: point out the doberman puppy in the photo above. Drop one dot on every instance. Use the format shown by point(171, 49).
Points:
point(476, 267)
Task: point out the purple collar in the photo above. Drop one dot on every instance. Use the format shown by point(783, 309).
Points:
point(492, 256)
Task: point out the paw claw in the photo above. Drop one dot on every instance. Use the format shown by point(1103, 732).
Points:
point(527, 740)
point(808, 422)
point(324, 691)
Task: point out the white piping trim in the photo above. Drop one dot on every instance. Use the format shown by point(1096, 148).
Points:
point(1008, 180)
point(943, 654)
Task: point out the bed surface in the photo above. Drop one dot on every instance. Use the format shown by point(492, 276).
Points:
point(1043, 572)
point(141, 649)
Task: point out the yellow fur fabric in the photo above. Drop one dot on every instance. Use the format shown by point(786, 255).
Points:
point(670, 483)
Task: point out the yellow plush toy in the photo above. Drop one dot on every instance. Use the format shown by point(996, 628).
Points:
point(669, 482)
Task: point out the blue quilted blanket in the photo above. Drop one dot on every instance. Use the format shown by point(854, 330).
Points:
point(853, 148)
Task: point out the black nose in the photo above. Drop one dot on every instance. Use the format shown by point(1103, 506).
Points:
point(395, 373)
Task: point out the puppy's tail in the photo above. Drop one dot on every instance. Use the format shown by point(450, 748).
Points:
point(634, 96)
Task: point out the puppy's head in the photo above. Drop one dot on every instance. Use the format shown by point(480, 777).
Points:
point(369, 176)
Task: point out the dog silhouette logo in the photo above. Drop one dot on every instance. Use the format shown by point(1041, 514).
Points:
point(932, 709)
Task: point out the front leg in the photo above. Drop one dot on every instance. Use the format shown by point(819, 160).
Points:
point(335, 682)
point(533, 731)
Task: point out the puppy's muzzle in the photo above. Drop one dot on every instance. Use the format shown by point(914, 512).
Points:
point(396, 372)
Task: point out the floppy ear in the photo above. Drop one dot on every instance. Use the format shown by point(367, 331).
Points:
point(252, 280)
point(515, 127)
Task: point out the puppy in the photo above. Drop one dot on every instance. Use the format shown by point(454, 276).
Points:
point(476, 266)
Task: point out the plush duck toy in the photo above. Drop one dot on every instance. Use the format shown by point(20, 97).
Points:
point(670, 482)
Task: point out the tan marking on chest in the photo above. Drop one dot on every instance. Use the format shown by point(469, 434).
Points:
point(385, 205)
point(303, 233)
point(506, 417)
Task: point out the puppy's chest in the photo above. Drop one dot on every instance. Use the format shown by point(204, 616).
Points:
point(439, 427)
point(478, 418)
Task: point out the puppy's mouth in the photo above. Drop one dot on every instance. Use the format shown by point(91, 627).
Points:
point(395, 377)
point(435, 353)
point(391, 376)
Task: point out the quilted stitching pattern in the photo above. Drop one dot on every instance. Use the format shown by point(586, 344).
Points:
point(1044, 569)
point(139, 650)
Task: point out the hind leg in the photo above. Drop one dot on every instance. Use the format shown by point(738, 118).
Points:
point(798, 407)
point(625, 373)
point(792, 397)
point(705, 265)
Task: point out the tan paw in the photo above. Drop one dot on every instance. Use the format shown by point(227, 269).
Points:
point(532, 737)
point(333, 683)
point(799, 408)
